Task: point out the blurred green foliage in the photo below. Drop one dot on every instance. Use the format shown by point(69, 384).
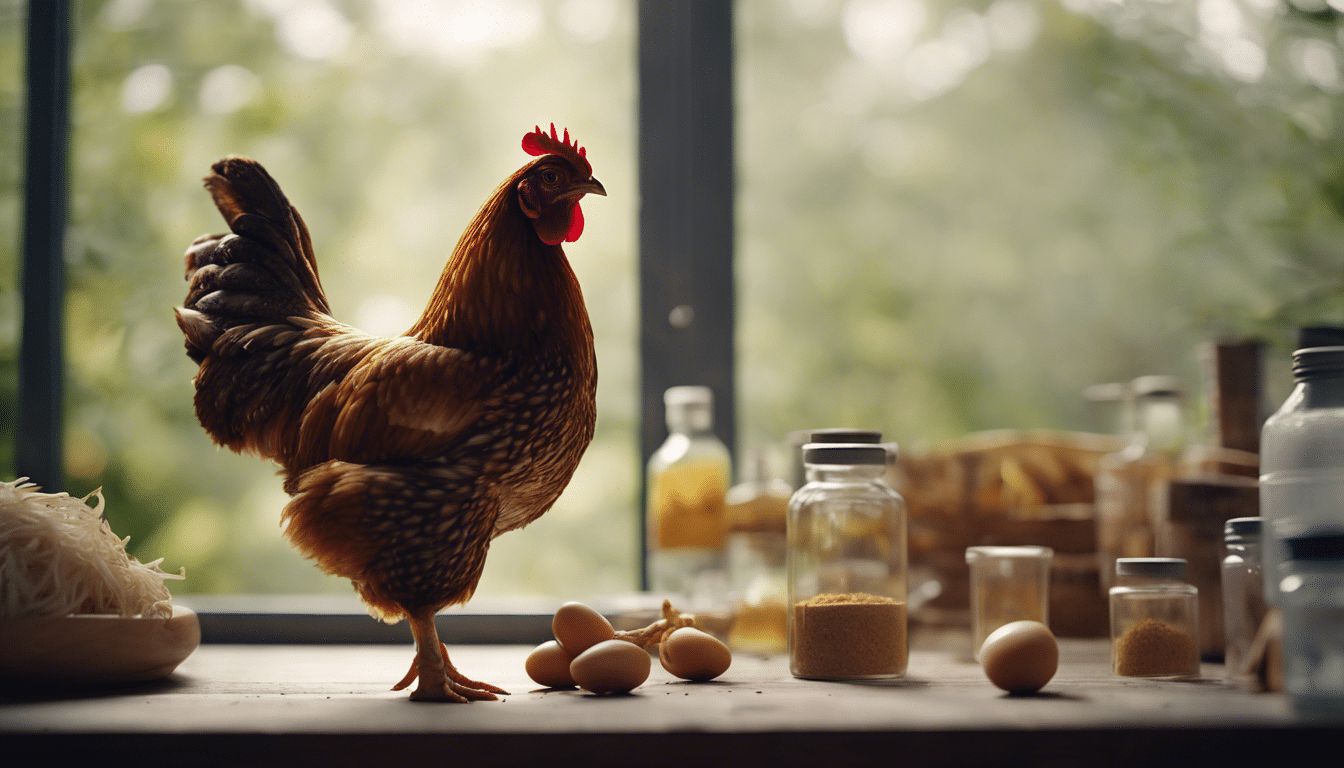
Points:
point(957, 215)
point(953, 215)
point(387, 129)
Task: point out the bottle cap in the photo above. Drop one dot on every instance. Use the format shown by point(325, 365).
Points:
point(1173, 567)
point(1240, 529)
point(689, 409)
point(1309, 336)
point(844, 453)
point(1319, 544)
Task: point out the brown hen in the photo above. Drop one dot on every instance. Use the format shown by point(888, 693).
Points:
point(404, 456)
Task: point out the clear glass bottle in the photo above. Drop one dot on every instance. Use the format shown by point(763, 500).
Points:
point(1127, 481)
point(1312, 596)
point(688, 479)
point(1154, 619)
point(757, 510)
point(847, 567)
point(1243, 595)
point(1302, 457)
point(1007, 584)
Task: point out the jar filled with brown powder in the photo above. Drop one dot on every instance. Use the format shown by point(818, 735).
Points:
point(1154, 619)
point(847, 567)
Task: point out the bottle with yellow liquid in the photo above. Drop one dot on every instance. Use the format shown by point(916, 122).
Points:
point(757, 513)
point(688, 478)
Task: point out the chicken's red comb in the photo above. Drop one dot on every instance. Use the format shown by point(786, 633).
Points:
point(539, 143)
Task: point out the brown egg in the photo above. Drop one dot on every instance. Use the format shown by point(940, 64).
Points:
point(611, 666)
point(578, 628)
point(691, 654)
point(1020, 657)
point(548, 664)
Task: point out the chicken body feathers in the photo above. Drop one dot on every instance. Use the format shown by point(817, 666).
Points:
point(404, 456)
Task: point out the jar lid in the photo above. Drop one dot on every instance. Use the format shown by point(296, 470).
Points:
point(846, 435)
point(844, 453)
point(1242, 528)
point(1314, 362)
point(1173, 567)
point(1320, 544)
point(1157, 386)
point(1026, 551)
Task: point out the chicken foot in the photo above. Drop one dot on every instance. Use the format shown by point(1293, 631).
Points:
point(439, 679)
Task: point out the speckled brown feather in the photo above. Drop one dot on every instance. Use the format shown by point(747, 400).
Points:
point(404, 456)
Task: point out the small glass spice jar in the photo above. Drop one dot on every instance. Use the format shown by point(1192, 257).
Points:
point(847, 567)
point(1154, 619)
point(1311, 594)
point(1007, 584)
point(1243, 595)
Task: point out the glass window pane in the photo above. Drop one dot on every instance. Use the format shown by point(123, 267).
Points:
point(387, 124)
point(955, 215)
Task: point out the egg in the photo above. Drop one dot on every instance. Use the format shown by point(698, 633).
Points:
point(691, 654)
point(548, 665)
point(1020, 657)
point(578, 628)
point(611, 666)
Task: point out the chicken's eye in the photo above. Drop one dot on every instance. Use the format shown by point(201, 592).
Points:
point(550, 177)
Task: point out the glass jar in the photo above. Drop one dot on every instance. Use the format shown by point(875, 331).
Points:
point(1312, 596)
point(1302, 457)
point(1243, 595)
point(687, 482)
point(847, 567)
point(757, 511)
point(1007, 584)
point(1127, 482)
point(1154, 619)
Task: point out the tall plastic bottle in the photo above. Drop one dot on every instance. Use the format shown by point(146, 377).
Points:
point(688, 479)
point(1302, 458)
point(1127, 481)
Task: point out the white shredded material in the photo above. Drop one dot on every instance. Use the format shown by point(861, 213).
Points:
point(59, 557)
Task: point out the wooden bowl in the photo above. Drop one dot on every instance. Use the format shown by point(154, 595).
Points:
point(95, 648)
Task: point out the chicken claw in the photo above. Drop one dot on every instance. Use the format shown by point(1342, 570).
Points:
point(439, 679)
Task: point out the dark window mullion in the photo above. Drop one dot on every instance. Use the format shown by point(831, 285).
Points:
point(686, 210)
point(38, 443)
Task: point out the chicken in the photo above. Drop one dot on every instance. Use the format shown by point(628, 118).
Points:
point(404, 456)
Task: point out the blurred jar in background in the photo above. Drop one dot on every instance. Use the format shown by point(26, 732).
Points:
point(756, 511)
point(1128, 481)
point(1243, 595)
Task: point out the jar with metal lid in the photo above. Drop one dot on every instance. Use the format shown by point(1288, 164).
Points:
point(1243, 595)
point(847, 567)
point(1312, 597)
point(1302, 456)
point(1154, 619)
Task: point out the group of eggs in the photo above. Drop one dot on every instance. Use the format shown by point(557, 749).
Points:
point(586, 654)
point(1019, 657)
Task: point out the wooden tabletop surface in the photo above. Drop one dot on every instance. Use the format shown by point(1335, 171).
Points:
point(332, 704)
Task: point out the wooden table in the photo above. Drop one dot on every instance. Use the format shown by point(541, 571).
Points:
point(229, 704)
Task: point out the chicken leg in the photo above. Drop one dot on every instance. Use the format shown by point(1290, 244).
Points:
point(439, 679)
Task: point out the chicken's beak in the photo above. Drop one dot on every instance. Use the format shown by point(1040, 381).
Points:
point(590, 187)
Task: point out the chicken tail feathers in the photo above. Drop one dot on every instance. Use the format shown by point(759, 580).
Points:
point(263, 270)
